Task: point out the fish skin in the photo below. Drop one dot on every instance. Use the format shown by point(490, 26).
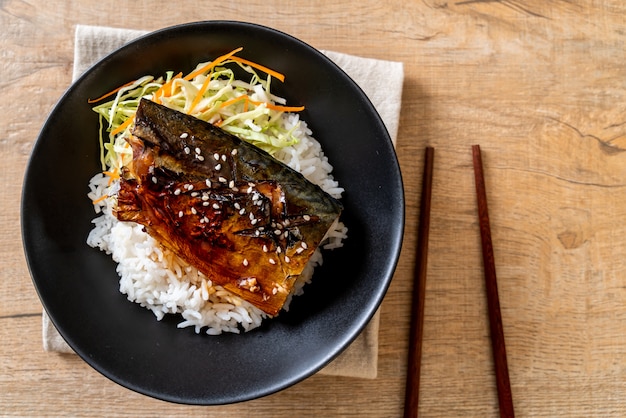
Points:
point(226, 245)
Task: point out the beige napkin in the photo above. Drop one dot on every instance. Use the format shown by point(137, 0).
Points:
point(382, 83)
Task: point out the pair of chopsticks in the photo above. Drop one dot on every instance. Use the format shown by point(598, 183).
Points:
point(505, 399)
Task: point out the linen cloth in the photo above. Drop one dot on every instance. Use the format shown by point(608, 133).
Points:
point(360, 359)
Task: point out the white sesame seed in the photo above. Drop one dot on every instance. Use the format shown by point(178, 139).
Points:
point(187, 150)
point(237, 205)
point(184, 135)
point(200, 157)
point(271, 260)
point(249, 190)
point(218, 167)
point(216, 156)
point(205, 204)
point(286, 234)
point(242, 211)
point(303, 245)
point(257, 233)
point(198, 151)
point(222, 180)
point(194, 211)
point(208, 183)
point(254, 221)
point(277, 232)
point(233, 152)
point(223, 157)
point(194, 194)
point(306, 218)
point(279, 250)
point(180, 214)
point(300, 250)
point(245, 262)
point(251, 216)
point(287, 259)
point(205, 197)
point(176, 192)
point(264, 248)
point(154, 180)
point(231, 184)
point(216, 206)
point(206, 220)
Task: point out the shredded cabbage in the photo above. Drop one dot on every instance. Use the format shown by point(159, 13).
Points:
point(246, 109)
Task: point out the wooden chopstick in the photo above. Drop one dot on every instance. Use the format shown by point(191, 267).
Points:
point(505, 398)
point(411, 397)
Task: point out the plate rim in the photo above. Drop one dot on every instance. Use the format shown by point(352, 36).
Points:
point(365, 318)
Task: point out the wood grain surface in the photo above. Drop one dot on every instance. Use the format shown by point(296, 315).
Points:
point(541, 86)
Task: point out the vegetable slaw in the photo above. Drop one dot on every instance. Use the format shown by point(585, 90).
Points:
point(210, 92)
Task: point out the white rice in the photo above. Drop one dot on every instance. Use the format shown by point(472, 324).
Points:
point(157, 279)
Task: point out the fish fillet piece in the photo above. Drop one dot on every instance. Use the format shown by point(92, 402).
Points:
point(244, 219)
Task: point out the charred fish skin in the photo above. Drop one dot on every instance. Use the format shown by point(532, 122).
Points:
point(184, 135)
point(246, 220)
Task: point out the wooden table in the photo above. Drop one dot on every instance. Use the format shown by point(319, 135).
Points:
point(541, 86)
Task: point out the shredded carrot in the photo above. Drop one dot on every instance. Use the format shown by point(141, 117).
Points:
point(113, 175)
point(198, 97)
point(111, 93)
point(166, 89)
point(278, 107)
point(170, 83)
point(100, 199)
point(219, 123)
point(235, 100)
point(284, 108)
point(122, 126)
point(204, 69)
point(257, 103)
point(212, 64)
point(266, 70)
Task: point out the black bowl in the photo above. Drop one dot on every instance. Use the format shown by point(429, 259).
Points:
point(78, 285)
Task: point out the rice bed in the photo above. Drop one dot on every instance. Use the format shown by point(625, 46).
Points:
point(160, 281)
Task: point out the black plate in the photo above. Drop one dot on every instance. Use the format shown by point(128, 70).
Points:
point(78, 285)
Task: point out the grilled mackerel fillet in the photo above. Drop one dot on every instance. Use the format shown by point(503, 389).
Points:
point(247, 221)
